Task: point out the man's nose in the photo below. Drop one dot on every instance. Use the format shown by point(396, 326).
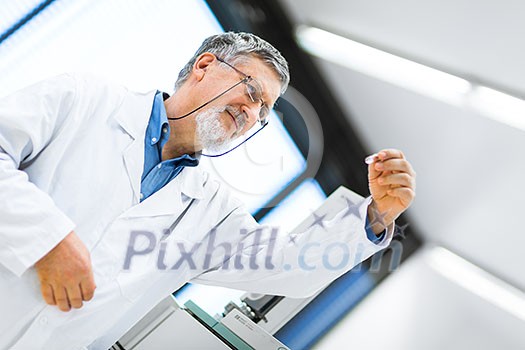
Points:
point(251, 113)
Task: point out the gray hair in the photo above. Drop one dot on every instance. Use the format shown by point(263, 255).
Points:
point(233, 47)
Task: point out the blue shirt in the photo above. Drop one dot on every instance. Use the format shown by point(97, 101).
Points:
point(158, 173)
point(371, 235)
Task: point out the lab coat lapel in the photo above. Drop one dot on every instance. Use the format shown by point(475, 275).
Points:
point(168, 200)
point(133, 117)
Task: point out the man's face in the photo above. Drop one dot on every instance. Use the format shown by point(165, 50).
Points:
point(235, 112)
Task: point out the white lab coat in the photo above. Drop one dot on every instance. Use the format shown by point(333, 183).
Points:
point(71, 158)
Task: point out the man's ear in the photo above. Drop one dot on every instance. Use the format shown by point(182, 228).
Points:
point(201, 65)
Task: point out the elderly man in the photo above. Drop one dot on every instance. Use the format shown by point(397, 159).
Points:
point(94, 176)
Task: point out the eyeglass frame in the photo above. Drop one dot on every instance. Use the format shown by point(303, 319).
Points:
point(264, 111)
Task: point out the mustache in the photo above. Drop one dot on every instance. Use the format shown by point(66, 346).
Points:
point(240, 117)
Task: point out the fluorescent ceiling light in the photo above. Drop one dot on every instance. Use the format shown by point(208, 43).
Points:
point(477, 281)
point(499, 106)
point(383, 65)
point(412, 76)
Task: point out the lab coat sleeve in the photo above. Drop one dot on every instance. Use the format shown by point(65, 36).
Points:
point(299, 263)
point(31, 224)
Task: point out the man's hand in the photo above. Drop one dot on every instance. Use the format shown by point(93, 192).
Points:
point(392, 184)
point(65, 273)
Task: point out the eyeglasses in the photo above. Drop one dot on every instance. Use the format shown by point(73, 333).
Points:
point(254, 91)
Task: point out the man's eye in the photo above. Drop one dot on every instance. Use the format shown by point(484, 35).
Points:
point(252, 92)
point(264, 112)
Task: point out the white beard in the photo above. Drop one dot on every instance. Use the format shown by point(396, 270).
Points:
point(210, 132)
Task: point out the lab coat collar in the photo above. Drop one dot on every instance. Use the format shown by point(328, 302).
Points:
point(138, 104)
point(193, 182)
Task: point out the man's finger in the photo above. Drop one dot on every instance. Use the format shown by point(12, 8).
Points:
point(399, 179)
point(373, 173)
point(87, 288)
point(61, 298)
point(47, 293)
point(75, 296)
point(390, 153)
point(395, 165)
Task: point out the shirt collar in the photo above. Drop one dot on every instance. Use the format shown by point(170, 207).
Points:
point(159, 119)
